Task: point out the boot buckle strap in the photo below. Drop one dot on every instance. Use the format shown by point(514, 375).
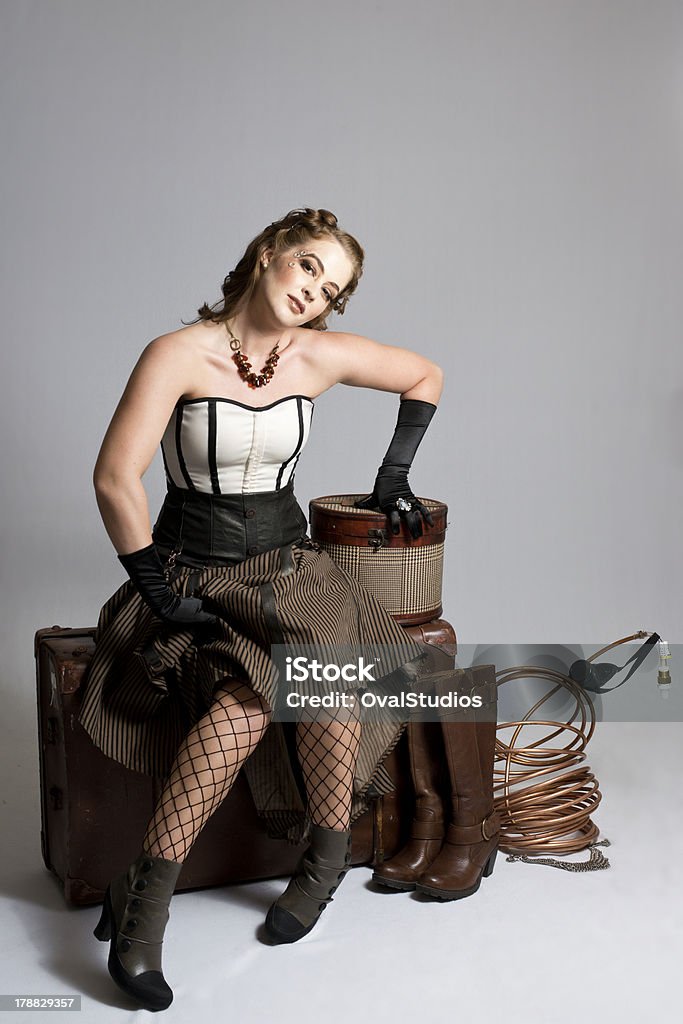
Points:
point(462, 835)
point(491, 825)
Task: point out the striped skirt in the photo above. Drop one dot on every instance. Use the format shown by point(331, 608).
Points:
point(148, 683)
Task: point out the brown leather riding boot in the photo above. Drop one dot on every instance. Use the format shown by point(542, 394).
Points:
point(425, 748)
point(469, 850)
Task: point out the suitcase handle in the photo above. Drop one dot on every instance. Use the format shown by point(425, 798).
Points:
point(61, 631)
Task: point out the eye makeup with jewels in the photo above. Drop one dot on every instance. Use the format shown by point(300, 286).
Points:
point(306, 262)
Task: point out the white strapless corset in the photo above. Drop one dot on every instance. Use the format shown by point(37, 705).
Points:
point(222, 446)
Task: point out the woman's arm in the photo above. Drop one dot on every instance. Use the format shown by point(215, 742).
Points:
point(364, 363)
point(158, 380)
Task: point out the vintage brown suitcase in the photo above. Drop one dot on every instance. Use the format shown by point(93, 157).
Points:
point(404, 573)
point(94, 810)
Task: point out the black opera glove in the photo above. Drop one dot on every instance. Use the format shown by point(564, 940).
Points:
point(391, 493)
point(147, 574)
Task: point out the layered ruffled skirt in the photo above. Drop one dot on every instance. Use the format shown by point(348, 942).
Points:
point(148, 683)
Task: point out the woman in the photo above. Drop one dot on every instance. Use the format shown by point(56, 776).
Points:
point(181, 683)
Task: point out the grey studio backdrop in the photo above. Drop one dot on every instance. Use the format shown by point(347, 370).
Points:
point(514, 172)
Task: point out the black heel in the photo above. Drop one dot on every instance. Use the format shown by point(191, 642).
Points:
point(488, 870)
point(103, 927)
point(133, 919)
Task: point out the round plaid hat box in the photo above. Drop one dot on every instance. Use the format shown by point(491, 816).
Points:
point(404, 573)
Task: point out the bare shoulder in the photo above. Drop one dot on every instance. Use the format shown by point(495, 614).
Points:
point(161, 375)
point(181, 344)
point(362, 362)
point(173, 356)
point(309, 357)
point(321, 347)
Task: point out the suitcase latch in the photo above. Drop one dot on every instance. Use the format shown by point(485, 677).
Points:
point(378, 539)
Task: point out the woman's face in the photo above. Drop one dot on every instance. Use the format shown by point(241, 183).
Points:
point(299, 288)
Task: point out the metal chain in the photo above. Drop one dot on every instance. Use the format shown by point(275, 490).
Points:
point(170, 566)
point(596, 862)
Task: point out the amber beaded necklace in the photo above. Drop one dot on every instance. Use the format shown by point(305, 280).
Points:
point(254, 380)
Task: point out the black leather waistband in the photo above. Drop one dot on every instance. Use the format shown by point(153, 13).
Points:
point(223, 529)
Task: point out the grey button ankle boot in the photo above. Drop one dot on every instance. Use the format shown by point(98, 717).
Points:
point(322, 869)
point(134, 917)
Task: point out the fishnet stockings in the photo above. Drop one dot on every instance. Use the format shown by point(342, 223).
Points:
point(205, 768)
point(328, 748)
point(217, 746)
